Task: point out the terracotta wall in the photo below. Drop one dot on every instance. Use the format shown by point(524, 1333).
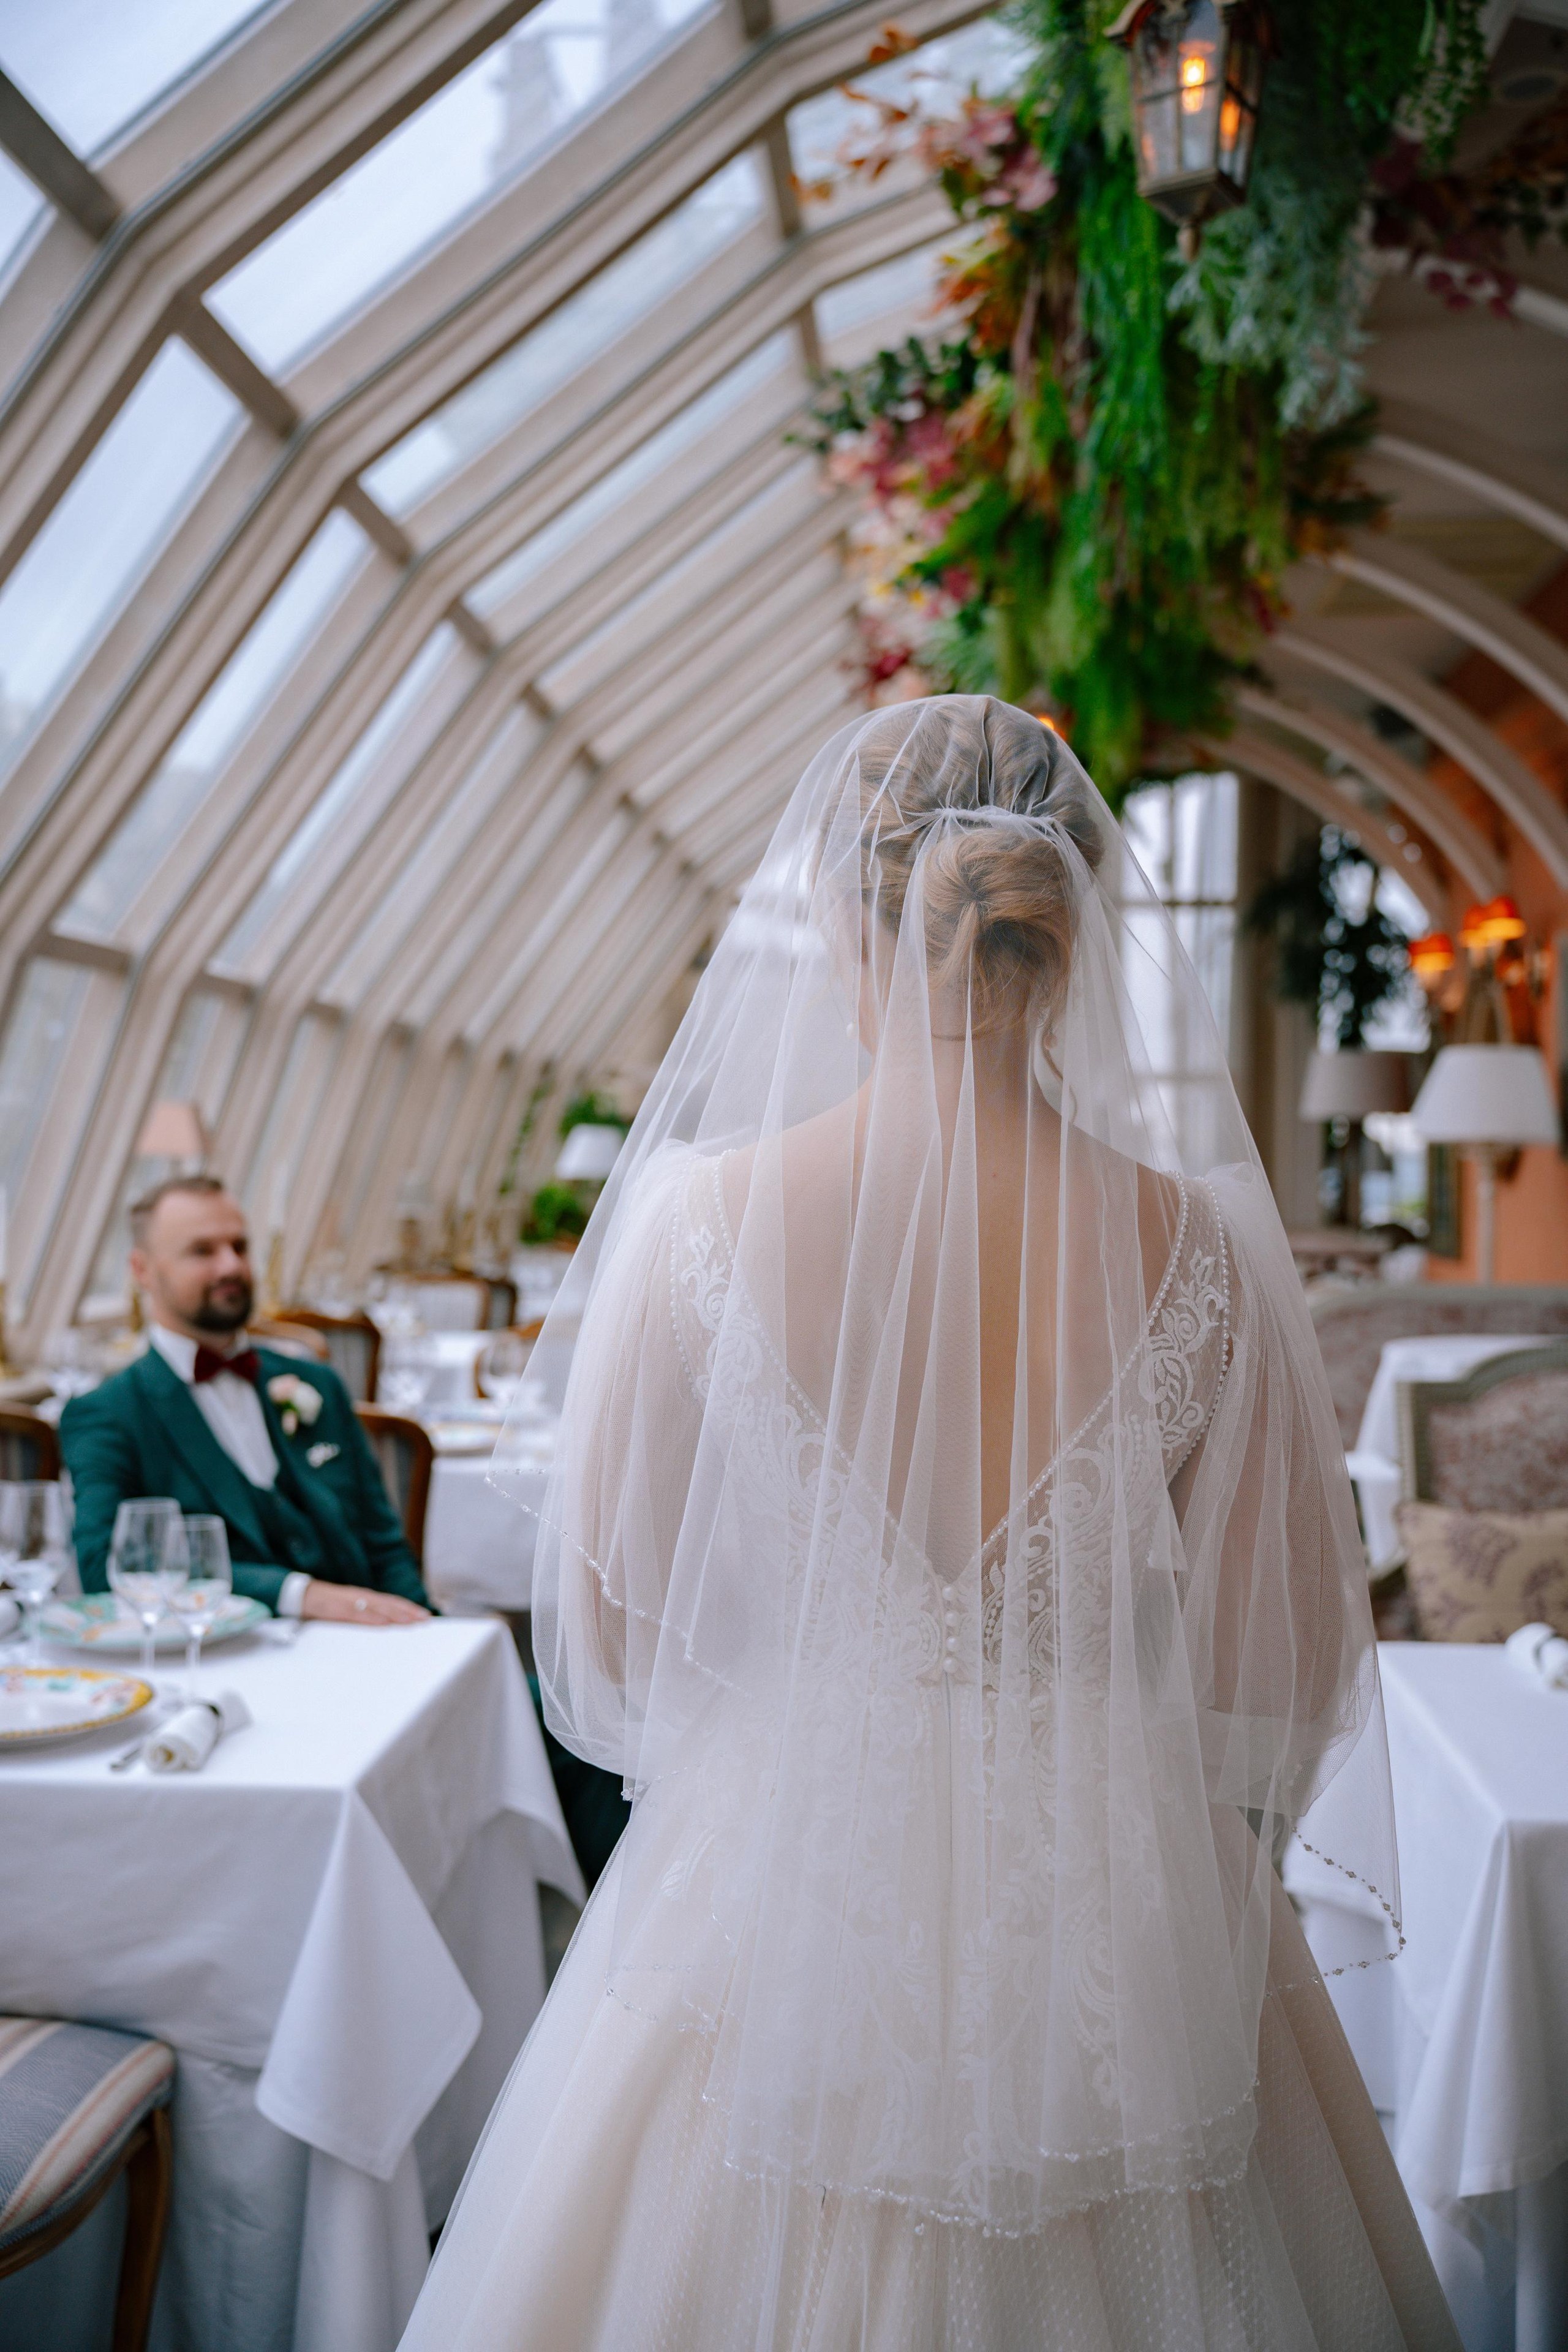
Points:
point(1532, 1205)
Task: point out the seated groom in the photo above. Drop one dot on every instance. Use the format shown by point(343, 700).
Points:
point(208, 1419)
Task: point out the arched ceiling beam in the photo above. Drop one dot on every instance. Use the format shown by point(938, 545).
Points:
point(1464, 846)
point(1419, 580)
point(1513, 483)
point(1301, 781)
point(1513, 785)
point(87, 367)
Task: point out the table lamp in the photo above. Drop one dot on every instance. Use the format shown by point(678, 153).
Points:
point(178, 1132)
point(1350, 1085)
point(1487, 1099)
point(589, 1153)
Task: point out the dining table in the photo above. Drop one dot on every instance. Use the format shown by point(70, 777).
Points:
point(1463, 2039)
point(335, 1925)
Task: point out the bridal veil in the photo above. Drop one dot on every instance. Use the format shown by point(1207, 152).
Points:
point(948, 1540)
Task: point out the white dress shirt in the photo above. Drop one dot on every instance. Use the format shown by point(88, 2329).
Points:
point(232, 1410)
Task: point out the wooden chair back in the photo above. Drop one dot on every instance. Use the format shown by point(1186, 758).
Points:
point(405, 1456)
point(29, 1447)
point(290, 1338)
point(353, 1348)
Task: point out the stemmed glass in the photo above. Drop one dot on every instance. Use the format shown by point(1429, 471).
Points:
point(148, 1562)
point(34, 1539)
point(208, 1583)
point(501, 1370)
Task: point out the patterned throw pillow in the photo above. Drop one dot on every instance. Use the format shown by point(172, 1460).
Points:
point(1478, 1576)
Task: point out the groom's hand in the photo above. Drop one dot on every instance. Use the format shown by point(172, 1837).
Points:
point(354, 1604)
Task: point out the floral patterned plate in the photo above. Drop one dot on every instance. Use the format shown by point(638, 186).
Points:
point(94, 1620)
point(43, 1703)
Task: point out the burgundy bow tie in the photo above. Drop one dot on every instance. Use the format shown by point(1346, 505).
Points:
point(209, 1364)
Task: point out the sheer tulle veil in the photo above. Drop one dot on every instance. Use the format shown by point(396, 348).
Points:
point(949, 1540)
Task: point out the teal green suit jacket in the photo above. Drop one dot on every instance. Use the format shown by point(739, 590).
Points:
point(142, 1432)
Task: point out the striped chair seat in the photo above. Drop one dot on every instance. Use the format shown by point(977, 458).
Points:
point(70, 2097)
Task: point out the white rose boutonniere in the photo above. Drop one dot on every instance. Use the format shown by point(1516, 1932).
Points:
point(295, 1398)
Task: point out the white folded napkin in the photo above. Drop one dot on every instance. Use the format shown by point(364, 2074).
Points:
point(189, 1737)
point(1539, 1653)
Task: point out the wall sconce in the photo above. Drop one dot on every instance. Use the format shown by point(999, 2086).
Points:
point(1196, 69)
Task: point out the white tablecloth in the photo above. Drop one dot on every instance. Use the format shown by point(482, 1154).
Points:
point(1375, 1462)
point(1471, 2038)
point(478, 1541)
point(336, 1925)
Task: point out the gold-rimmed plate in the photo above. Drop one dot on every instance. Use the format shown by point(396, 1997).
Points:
point(39, 1704)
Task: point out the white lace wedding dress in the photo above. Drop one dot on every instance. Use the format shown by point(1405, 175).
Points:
point(949, 1544)
point(601, 2214)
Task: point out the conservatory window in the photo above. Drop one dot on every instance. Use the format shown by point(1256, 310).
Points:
point(92, 65)
point(154, 825)
point(105, 530)
point(1185, 835)
point(586, 324)
point(22, 205)
point(363, 787)
point(694, 423)
point(442, 166)
point(935, 77)
point(494, 776)
point(853, 319)
point(52, 1058)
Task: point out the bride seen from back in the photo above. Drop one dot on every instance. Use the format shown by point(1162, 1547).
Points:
point(950, 1545)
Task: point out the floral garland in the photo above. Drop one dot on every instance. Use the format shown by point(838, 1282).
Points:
point(1087, 500)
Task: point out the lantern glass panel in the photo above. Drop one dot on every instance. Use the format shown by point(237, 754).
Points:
point(1198, 72)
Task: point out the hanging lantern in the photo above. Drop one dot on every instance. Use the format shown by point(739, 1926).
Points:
point(1197, 76)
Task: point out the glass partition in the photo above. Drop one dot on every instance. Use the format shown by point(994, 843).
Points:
point(586, 324)
point(92, 65)
point(158, 820)
point(349, 803)
point(482, 131)
point(770, 363)
point(116, 515)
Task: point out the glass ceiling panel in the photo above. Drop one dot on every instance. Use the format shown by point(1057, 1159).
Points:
point(21, 205)
point(985, 56)
point(349, 804)
point(481, 132)
point(903, 291)
point(116, 515)
point(693, 423)
point(191, 766)
point(388, 927)
point(586, 324)
point(93, 65)
point(62, 1028)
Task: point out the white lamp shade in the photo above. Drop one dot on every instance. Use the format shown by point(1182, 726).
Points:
point(1352, 1084)
point(589, 1153)
point(1487, 1093)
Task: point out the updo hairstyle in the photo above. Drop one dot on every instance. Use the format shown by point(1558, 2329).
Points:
point(1000, 900)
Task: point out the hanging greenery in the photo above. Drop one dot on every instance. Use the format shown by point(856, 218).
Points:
point(1087, 500)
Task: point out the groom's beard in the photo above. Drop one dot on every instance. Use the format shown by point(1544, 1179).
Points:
point(224, 1306)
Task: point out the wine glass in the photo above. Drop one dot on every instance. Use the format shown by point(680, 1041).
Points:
point(34, 1540)
point(406, 1374)
point(502, 1367)
point(148, 1562)
point(208, 1582)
